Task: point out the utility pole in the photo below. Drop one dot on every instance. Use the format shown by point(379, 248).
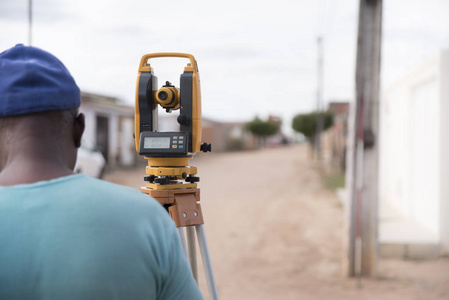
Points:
point(363, 213)
point(30, 21)
point(319, 99)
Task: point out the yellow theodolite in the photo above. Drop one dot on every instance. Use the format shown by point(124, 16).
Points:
point(168, 153)
point(169, 178)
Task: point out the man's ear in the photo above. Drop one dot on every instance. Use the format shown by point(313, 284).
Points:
point(78, 129)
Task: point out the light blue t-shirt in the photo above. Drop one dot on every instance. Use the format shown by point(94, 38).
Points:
point(77, 237)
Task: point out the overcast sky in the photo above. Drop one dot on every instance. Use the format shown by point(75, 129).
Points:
point(255, 57)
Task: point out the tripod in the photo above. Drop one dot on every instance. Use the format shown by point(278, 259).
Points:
point(184, 209)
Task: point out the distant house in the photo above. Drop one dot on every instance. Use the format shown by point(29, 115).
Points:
point(333, 140)
point(279, 138)
point(228, 136)
point(224, 136)
point(109, 126)
point(338, 134)
point(414, 161)
point(216, 134)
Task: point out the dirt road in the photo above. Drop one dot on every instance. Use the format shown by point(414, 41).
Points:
point(275, 232)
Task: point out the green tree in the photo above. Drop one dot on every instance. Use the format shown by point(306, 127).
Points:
point(307, 123)
point(262, 129)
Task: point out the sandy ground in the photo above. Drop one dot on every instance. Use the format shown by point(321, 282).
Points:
point(275, 232)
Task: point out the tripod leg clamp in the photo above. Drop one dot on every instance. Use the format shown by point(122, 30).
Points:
point(186, 211)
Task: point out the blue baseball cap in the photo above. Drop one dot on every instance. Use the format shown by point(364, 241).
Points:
point(33, 80)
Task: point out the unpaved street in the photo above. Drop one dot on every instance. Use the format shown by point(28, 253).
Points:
point(275, 232)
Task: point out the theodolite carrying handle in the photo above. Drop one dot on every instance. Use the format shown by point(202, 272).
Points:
point(145, 68)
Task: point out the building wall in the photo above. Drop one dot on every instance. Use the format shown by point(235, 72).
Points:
point(411, 148)
point(91, 123)
point(444, 138)
point(120, 143)
point(214, 133)
point(127, 148)
point(335, 138)
point(114, 137)
point(425, 152)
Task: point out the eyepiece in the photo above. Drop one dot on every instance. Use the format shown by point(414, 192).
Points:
point(162, 95)
point(168, 97)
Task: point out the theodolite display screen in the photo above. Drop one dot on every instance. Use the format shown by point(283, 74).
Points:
point(156, 143)
point(164, 143)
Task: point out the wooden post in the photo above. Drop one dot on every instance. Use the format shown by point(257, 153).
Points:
point(319, 101)
point(363, 220)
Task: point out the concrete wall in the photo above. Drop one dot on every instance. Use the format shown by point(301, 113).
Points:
point(90, 133)
point(444, 138)
point(414, 148)
point(121, 149)
point(127, 145)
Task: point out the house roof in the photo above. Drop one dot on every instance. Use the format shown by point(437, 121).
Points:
point(106, 104)
point(339, 108)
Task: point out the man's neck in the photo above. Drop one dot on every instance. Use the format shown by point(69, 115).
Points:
point(22, 167)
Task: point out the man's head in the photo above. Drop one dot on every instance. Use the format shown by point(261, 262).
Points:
point(32, 80)
point(39, 102)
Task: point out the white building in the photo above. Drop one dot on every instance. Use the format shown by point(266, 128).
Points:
point(109, 126)
point(414, 162)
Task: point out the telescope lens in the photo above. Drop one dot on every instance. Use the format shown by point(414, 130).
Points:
point(162, 95)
